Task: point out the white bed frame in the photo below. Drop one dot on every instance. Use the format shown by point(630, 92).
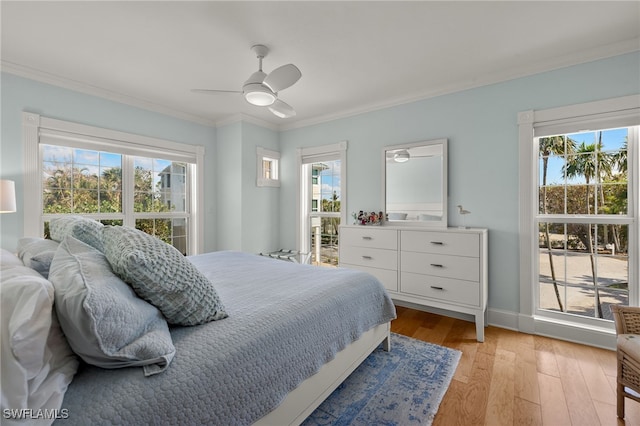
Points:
point(304, 399)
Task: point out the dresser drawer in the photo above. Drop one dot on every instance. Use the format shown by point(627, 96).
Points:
point(373, 237)
point(458, 267)
point(370, 257)
point(388, 277)
point(446, 289)
point(460, 244)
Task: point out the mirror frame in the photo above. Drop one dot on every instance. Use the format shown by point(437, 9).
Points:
point(443, 222)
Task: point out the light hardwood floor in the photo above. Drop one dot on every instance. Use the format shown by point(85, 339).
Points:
point(520, 379)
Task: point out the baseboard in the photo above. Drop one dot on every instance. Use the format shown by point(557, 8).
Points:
point(591, 336)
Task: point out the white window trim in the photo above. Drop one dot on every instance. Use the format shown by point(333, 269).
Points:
point(304, 185)
point(266, 154)
point(616, 112)
point(33, 125)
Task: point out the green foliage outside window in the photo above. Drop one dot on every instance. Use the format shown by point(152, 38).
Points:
point(70, 187)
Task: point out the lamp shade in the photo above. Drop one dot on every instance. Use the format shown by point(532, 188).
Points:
point(257, 94)
point(7, 196)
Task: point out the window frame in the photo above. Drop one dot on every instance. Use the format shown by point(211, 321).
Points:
point(309, 155)
point(36, 127)
point(609, 113)
point(272, 157)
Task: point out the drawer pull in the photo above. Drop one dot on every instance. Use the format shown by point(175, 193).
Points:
point(436, 288)
point(367, 238)
point(367, 257)
point(437, 243)
point(437, 265)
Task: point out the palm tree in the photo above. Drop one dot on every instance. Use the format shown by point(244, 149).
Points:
point(553, 145)
point(589, 161)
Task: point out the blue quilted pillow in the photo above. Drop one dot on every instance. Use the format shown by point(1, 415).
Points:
point(161, 275)
point(105, 322)
point(87, 230)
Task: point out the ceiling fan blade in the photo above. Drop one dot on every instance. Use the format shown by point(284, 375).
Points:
point(211, 91)
point(282, 109)
point(282, 77)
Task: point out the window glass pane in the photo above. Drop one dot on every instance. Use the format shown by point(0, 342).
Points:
point(160, 185)
point(56, 201)
point(85, 201)
point(171, 231)
point(56, 175)
point(326, 188)
point(160, 228)
point(552, 199)
point(324, 241)
point(593, 167)
point(75, 181)
point(179, 237)
point(583, 269)
point(56, 154)
point(580, 199)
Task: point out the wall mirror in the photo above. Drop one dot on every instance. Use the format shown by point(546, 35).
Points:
point(415, 183)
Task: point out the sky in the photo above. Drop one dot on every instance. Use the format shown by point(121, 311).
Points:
point(330, 180)
point(612, 141)
point(95, 162)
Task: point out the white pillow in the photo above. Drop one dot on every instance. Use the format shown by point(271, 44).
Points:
point(37, 253)
point(37, 364)
point(9, 260)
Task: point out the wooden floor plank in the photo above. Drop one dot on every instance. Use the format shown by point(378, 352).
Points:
point(553, 404)
point(500, 406)
point(526, 413)
point(519, 379)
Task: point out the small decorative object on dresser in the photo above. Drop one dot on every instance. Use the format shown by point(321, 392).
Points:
point(445, 269)
point(369, 218)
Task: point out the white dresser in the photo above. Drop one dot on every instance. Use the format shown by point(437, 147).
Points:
point(445, 269)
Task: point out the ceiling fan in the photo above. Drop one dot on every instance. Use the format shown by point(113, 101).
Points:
point(262, 89)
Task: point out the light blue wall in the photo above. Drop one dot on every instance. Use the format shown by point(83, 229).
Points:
point(261, 212)
point(229, 187)
point(248, 215)
point(481, 126)
point(20, 94)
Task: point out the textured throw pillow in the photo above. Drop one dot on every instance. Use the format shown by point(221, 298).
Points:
point(106, 324)
point(88, 231)
point(37, 253)
point(37, 363)
point(162, 275)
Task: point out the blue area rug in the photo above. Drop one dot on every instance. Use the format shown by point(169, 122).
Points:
point(401, 387)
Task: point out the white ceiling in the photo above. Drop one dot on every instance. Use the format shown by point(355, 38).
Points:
point(354, 56)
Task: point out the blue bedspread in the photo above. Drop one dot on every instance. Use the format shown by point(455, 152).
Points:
point(285, 321)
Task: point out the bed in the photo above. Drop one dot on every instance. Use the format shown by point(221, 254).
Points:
point(293, 333)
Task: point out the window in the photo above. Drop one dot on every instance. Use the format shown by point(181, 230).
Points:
point(583, 222)
point(322, 201)
point(579, 217)
point(267, 167)
point(113, 177)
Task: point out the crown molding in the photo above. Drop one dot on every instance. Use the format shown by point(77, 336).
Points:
point(246, 118)
point(55, 80)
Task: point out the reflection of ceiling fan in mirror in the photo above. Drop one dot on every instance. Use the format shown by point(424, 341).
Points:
point(402, 155)
point(262, 89)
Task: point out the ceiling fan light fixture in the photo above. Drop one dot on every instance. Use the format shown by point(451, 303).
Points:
point(401, 156)
point(257, 94)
